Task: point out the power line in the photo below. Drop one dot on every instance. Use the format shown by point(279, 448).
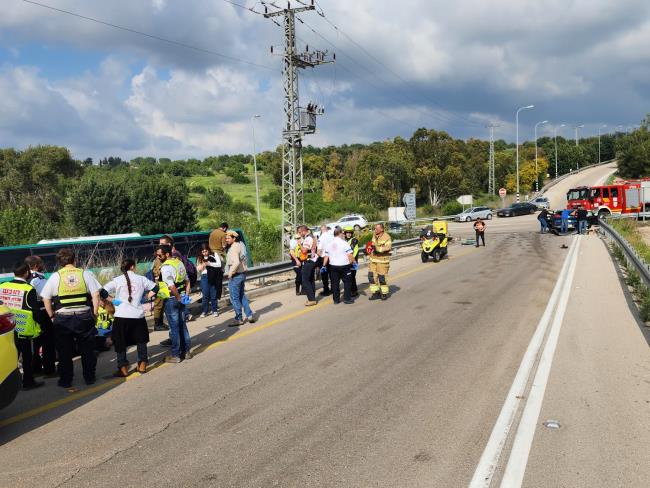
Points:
point(390, 70)
point(151, 36)
point(440, 119)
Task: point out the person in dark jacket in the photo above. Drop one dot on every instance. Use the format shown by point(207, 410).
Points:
point(543, 221)
point(581, 215)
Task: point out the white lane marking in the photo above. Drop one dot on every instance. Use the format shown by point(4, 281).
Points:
point(490, 458)
point(514, 474)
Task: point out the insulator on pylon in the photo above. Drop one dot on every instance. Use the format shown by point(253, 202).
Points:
point(271, 49)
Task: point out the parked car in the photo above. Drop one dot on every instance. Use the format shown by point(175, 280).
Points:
point(10, 379)
point(357, 221)
point(515, 209)
point(395, 228)
point(541, 202)
point(473, 214)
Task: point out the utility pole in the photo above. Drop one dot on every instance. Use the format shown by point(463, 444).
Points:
point(298, 122)
point(491, 165)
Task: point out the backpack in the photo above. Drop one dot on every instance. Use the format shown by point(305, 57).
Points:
point(192, 275)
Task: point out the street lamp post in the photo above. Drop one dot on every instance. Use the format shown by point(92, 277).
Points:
point(257, 186)
point(527, 107)
point(599, 129)
point(555, 139)
point(577, 128)
point(536, 172)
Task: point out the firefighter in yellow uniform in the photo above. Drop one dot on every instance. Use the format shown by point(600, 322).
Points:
point(380, 251)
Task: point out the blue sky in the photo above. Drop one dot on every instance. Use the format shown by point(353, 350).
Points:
point(450, 66)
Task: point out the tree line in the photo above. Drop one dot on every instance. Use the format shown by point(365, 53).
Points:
point(45, 192)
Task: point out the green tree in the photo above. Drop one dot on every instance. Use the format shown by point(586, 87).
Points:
point(161, 206)
point(633, 152)
point(38, 176)
point(100, 206)
point(23, 225)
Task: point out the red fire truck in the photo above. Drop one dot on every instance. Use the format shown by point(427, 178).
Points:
point(629, 197)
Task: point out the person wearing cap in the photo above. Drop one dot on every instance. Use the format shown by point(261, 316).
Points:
point(295, 247)
point(354, 245)
point(308, 256)
point(236, 272)
point(324, 241)
point(174, 282)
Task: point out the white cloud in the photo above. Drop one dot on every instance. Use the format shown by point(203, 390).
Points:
point(577, 61)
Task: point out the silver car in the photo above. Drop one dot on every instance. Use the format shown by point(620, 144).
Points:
point(473, 214)
point(541, 202)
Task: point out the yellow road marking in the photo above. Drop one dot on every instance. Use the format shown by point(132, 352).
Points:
point(114, 382)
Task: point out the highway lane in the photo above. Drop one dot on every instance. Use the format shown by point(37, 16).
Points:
point(401, 393)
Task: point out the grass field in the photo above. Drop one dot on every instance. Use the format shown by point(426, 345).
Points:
point(243, 193)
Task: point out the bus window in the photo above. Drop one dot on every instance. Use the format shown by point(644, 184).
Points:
point(595, 193)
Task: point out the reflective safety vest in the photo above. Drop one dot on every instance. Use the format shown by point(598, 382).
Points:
point(104, 322)
point(14, 296)
point(354, 244)
point(73, 291)
point(179, 277)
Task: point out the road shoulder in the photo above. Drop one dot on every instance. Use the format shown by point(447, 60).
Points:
point(599, 388)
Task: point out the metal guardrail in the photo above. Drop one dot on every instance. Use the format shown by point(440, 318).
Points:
point(268, 270)
point(631, 256)
point(554, 182)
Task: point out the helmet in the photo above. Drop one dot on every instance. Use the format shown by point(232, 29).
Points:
point(348, 228)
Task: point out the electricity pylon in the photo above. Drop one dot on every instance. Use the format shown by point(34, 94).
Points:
point(298, 121)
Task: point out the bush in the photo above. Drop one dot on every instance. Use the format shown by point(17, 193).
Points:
point(644, 305)
point(242, 207)
point(273, 198)
point(451, 208)
point(216, 198)
point(240, 179)
point(198, 189)
point(23, 225)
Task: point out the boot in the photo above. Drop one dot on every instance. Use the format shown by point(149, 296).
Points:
point(384, 297)
point(297, 290)
point(375, 296)
point(142, 367)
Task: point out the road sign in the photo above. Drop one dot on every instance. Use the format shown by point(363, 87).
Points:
point(409, 199)
point(502, 192)
point(465, 199)
point(411, 210)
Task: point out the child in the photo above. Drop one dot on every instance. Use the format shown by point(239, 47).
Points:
point(104, 325)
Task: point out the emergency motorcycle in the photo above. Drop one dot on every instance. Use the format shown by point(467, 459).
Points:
point(433, 241)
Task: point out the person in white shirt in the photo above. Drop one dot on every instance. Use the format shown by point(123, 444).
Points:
point(130, 325)
point(310, 256)
point(71, 298)
point(324, 241)
point(339, 258)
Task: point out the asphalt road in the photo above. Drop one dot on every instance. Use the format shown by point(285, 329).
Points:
point(403, 393)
